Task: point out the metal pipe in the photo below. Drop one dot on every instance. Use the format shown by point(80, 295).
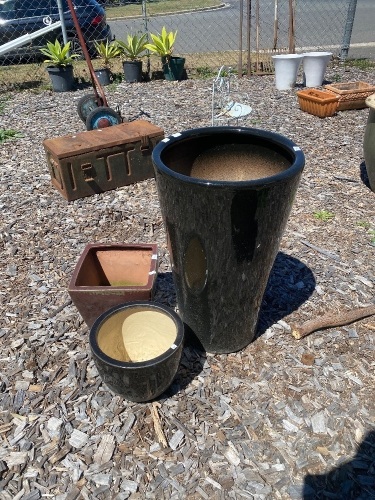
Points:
point(348, 29)
point(239, 71)
point(275, 25)
point(22, 40)
point(145, 24)
point(62, 19)
point(248, 37)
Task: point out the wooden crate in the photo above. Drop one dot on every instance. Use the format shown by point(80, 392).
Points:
point(352, 95)
point(317, 102)
point(95, 161)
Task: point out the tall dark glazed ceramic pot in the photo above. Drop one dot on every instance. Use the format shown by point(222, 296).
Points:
point(224, 225)
point(369, 142)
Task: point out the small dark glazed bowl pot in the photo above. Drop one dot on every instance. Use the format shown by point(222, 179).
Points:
point(137, 348)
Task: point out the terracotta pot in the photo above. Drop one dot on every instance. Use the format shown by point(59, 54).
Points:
point(369, 142)
point(224, 234)
point(110, 274)
point(137, 349)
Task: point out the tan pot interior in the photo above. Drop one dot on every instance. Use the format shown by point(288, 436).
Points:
point(115, 267)
point(136, 334)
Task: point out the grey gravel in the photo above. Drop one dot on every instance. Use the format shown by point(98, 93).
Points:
point(258, 424)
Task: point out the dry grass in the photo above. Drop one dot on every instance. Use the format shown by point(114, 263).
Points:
point(162, 7)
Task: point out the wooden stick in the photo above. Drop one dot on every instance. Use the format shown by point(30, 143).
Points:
point(157, 425)
point(332, 319)
point(292, 41)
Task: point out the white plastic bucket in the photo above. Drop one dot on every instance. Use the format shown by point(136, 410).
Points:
point(314, 68)
point(286, 69)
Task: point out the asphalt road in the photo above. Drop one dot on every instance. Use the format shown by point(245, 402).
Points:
point(319, 22)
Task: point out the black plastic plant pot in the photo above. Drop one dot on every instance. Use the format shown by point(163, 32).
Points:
point(137, 349)
point(173, 69)
point(225, 195)
point(62, 78)
point(104, 76)
point(132, 71)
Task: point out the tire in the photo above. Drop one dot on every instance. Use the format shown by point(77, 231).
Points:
point(102, 117)
point(86, 104)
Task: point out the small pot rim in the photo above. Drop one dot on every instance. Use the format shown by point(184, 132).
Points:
point(287, 56)
point(317, 54)
point(115, 246)
point(274, 138)
point(126, 365)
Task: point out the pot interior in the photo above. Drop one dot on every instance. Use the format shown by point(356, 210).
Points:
point(226, 157)
point(136, 334)
point(115, 267)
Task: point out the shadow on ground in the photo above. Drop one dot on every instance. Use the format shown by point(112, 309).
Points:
point(354, 479)
point(364, 176)
point(290, 284)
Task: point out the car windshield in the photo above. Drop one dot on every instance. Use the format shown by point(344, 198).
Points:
point(6, 6)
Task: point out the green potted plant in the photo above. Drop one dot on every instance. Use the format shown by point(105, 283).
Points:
point(106, 52)
point(132, 51)
point(60, 65)
point(163, 45)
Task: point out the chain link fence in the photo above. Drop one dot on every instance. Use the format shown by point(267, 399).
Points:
point(241, 33)
point(244, 30)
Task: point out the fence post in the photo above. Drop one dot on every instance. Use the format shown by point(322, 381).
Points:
point(240, 41)
point(61, 15)
point(145, 24)
point(348, 29)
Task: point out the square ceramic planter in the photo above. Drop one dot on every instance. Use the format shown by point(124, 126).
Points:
point(107, 275)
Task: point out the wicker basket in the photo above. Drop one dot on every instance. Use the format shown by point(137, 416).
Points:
point(317, 102)
point(351, 95)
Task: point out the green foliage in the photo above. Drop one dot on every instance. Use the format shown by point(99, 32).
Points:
point(363, 223)
point(3, 101)
point(107, 51)
point(205, 72)
point(363, 63)
point(134, 47)
point(57, 54)
point(366, 225)
point(324, 215)
point(163, 43)
point(8, 134)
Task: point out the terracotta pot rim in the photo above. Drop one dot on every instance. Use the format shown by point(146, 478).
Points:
point(282, 142)
point(114, 246)
point(126, 365)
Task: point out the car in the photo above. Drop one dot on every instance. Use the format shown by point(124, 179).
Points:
point(20, 17)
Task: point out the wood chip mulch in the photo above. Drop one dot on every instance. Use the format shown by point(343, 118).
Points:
point(282, 419)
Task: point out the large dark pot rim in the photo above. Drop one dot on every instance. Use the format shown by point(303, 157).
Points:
point(55, 69)
point(126, 365)
point(282, 143)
